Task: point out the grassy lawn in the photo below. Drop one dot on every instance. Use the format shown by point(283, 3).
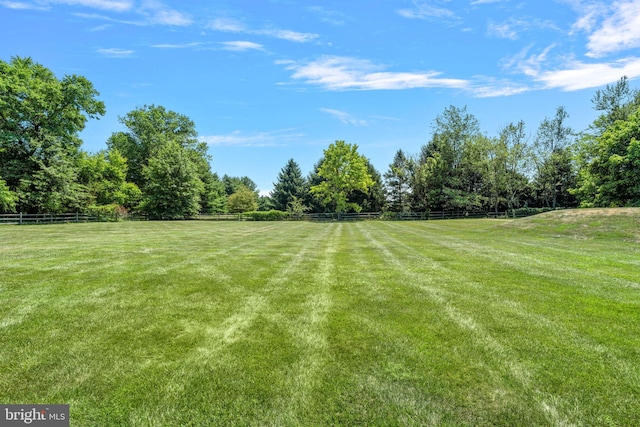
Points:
point(464, 322)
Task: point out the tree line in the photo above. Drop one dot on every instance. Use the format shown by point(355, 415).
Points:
point(159, 167)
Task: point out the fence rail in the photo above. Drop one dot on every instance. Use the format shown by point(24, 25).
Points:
point(221, 217)
point(403, 216)
point(21, 219)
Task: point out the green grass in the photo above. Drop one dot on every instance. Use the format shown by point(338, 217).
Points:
point(464, 322)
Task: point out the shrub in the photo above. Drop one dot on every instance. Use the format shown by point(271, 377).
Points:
point(272, 215)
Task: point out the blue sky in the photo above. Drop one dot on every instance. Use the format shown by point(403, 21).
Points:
point(269, 80)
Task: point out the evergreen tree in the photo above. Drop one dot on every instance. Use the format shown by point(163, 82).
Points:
point(398, 183)
point(373, 199)
point(290, 184)
point(265, 203)
point(309, 199)
point(213, 198)
point(233, 183)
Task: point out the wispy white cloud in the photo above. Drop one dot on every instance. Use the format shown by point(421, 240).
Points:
point(146, 12)
point(168, 17)
point(256, 139)
point(528, 64)
point(346, 73)
point(102, 27)
point(589, 14)
point(230, 25)
point(487, 1)
point(241, 46)
point(101, 17)
point(344, 117)
point(116, 52)
point(238, 46)
point(110, 5)
point(18, 5)
point(503, 30)
point(423, 9)
point(568, 73)
point(513, 27)
point(292, 36)
point(177, 46)
point(619, 30)
point(492, 88)
point(227, 25)
point(328, 15)
point(610, 26)
point(578, 75)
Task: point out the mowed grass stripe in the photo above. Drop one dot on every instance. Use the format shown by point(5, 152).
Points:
point(249, 337)
point(543, 321)
point(136, 254)
point(541, 262)
point(497, 358)
point(306, 324)
point(387, 360)
point(595, 283)
point(158, 299)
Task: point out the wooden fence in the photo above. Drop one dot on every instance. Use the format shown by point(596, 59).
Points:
point(221, 217)
point(402, 216)
point(21, 219)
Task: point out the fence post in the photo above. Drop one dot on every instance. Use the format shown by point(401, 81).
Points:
point(20, 218)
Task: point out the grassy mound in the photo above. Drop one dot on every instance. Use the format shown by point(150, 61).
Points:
point(600, 223)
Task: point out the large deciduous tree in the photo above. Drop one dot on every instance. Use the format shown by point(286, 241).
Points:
point(40, 119)
point(152, 130)
point(612, 176)
point(148, 129)
point(438, 181)
point(173, 188)
point(8, 198)
point(616, 102)
point(555, 173)
point(607, 153)
point(104, 176)
point(516, 154)
point(343, 171)
point(243, 200)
